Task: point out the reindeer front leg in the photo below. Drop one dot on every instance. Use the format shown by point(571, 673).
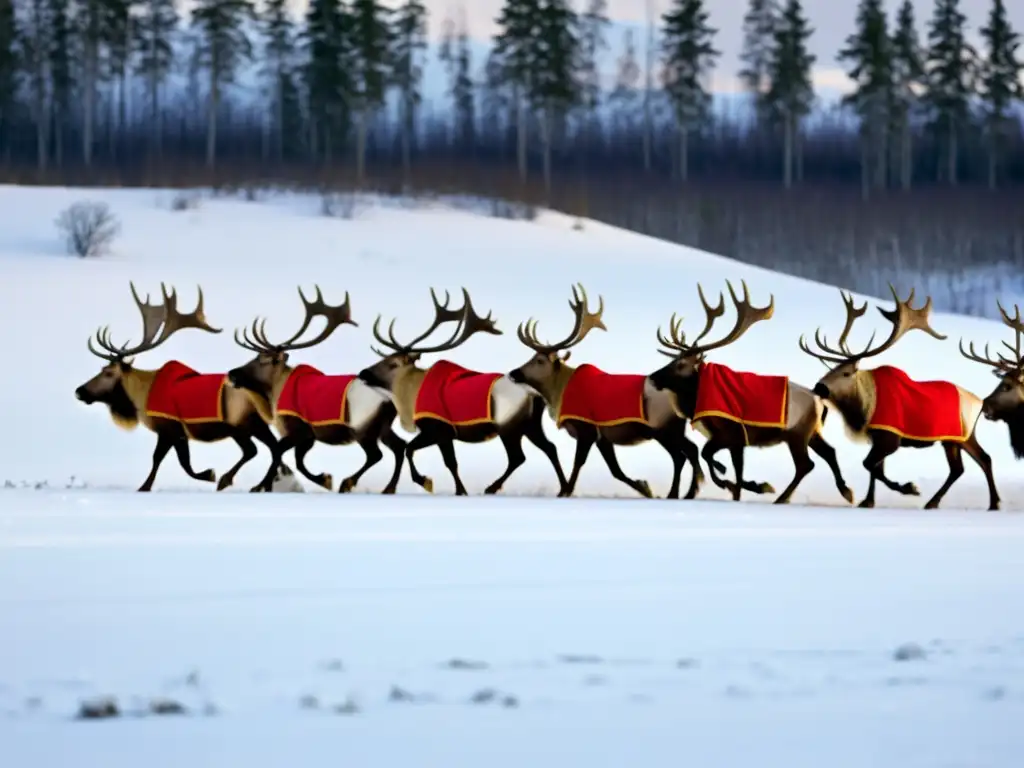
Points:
point(185, 460)
point(681, 449)
point(883, 445)
point(374, 454)
point(607, 451)
point(164, 443)
point(584, 442)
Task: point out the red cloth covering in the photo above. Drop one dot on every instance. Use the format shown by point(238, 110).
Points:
point(455, 395)
point(313, 396)
point(917, 410)
point(747, 398)
point(602, 399)
point(184, 395)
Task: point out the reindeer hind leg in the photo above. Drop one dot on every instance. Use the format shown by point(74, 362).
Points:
point(956, 469)
point(607, 451)
point(164, 442)
point(976, 452)
point(828, 453)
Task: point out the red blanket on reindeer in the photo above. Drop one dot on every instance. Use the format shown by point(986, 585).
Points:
point(928, 411)
point(313, 396)
point(750, 399)
point(182, 394)
point(455, 395)
point(602, 399)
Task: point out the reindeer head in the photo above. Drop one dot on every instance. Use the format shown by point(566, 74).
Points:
point(688, 356)
point(159, 323)
point(261, 373)
point(403, 357)
point(548, 359)
point(841, 382)
point(1007, 399)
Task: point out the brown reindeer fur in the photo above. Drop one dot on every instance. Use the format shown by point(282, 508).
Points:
point(406, 387)
point(857, 407)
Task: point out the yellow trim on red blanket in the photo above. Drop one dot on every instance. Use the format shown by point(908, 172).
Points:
point(780, 424)
point(613, 423)
point(325, 422)
point(488, 419)
point(205, 420)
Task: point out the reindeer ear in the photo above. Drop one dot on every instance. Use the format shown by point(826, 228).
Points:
point(413, 357)
point(565, 357)
point(284, 357)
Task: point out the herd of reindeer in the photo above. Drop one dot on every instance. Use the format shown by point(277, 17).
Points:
point(443, 403)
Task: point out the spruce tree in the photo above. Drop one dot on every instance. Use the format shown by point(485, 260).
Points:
point(791, 93)
point(10, 72)
point(1000, 81)
point(688, 57)
point(868, 53)
point(328, 73)
point(463, 89)
point(950, 76)
point(554, 88)
point(907, 78)
point(155, 29)
point(625, 94)
point(593, 24)
point(514, 47)
point(279, 56)
point(35, 46)
point(61, 57)
point(370, 60)
point(117, 38)
point(91, 24)
point(756, 53)
point(410, 40)
point(223, 45)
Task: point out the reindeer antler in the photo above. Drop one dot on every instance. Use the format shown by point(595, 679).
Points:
point(255, 338)
point(159, 323)
point(585, 322)
point(903, 318)
point(1000, 364)
point(746, 316)
point(468, 322)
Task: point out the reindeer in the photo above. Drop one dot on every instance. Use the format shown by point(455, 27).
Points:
point(446, 403)
point(330, 409)
point(696, 386)
point(648, 414)
point(131, 394)
point(1006, 402)
point(886, 408)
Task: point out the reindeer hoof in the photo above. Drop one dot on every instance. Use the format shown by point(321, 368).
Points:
point(327, 481)
point(932, 505)
point(389, 491)
point(208, 476)
point(347, 485)
point(428, 485)
point(910, 489)
point(225, 482)
point(867, 504)
point(847, 494)
point(490, 490)
point(645, 489)
point(765, 488)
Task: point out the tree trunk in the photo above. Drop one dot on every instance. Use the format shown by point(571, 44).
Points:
point(906, 154)
point(155, 116)
point(279, 148)
point(787, 151)
point(684, 153)
point(361, 119)
point(212, 105)
point(865, 169)
point(993, 155)
point(406, 142)
point(89, 77)
point(952, 153)
point(546, 139)
point(521, 138)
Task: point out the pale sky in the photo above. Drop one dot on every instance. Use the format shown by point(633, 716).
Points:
point(831, 21)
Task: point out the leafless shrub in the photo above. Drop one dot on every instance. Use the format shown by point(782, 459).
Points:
point(88, 228)
point(512, 210)
point(99, 708)
point(338, 205)
point(186, 201)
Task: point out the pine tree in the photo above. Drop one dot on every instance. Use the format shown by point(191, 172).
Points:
point(117, 37)
point(514, 48)
point(155, 29)
point(371, 59)
point(279, 41)
point(791, 93)
point(34, 33)
point(868, 52)
point(463, 88)
point(91, 23)
point(688, 55)
point(756, 53)
point(626, 91)
point(495, 101)
point(328, 73)
point(593, 23)
point(223, 45)
point(554, 88)
point(907, 78)
point(10, 72)
point(410, 40)
point(950, 76)
point(1000, 81)
point(61, 56)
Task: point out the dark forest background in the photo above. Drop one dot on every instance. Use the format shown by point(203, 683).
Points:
point(916, 177)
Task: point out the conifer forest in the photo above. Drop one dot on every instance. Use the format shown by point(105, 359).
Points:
point(916, 175)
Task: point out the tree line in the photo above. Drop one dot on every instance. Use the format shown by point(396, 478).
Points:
point(134, 91)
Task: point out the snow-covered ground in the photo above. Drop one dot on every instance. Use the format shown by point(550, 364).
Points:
point(316, 629)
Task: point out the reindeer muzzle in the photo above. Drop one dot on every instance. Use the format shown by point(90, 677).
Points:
point(988, 411)
point(821, 391)
point(84, 395)
point(517, 376)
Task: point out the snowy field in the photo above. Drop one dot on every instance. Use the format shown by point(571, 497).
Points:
point(314, 629)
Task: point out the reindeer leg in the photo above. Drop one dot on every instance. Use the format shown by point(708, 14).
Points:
point(533, 429)
point(584, 442)
point(956, 469)
point(302, 449)
point(447, 447)
point(736, 451)
point(976, 452)
point(277, 452)
point(164, 442)
point(679, 452)
point(513, 442)
point(371, 447)
point(422, 440)
point(397, 446)
point(181, 449)
point(249, 452)
point(828, 453)
point(874, 463)
point(260, 430)
point(803, 464)
point(607, 451)
point(711, 447)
